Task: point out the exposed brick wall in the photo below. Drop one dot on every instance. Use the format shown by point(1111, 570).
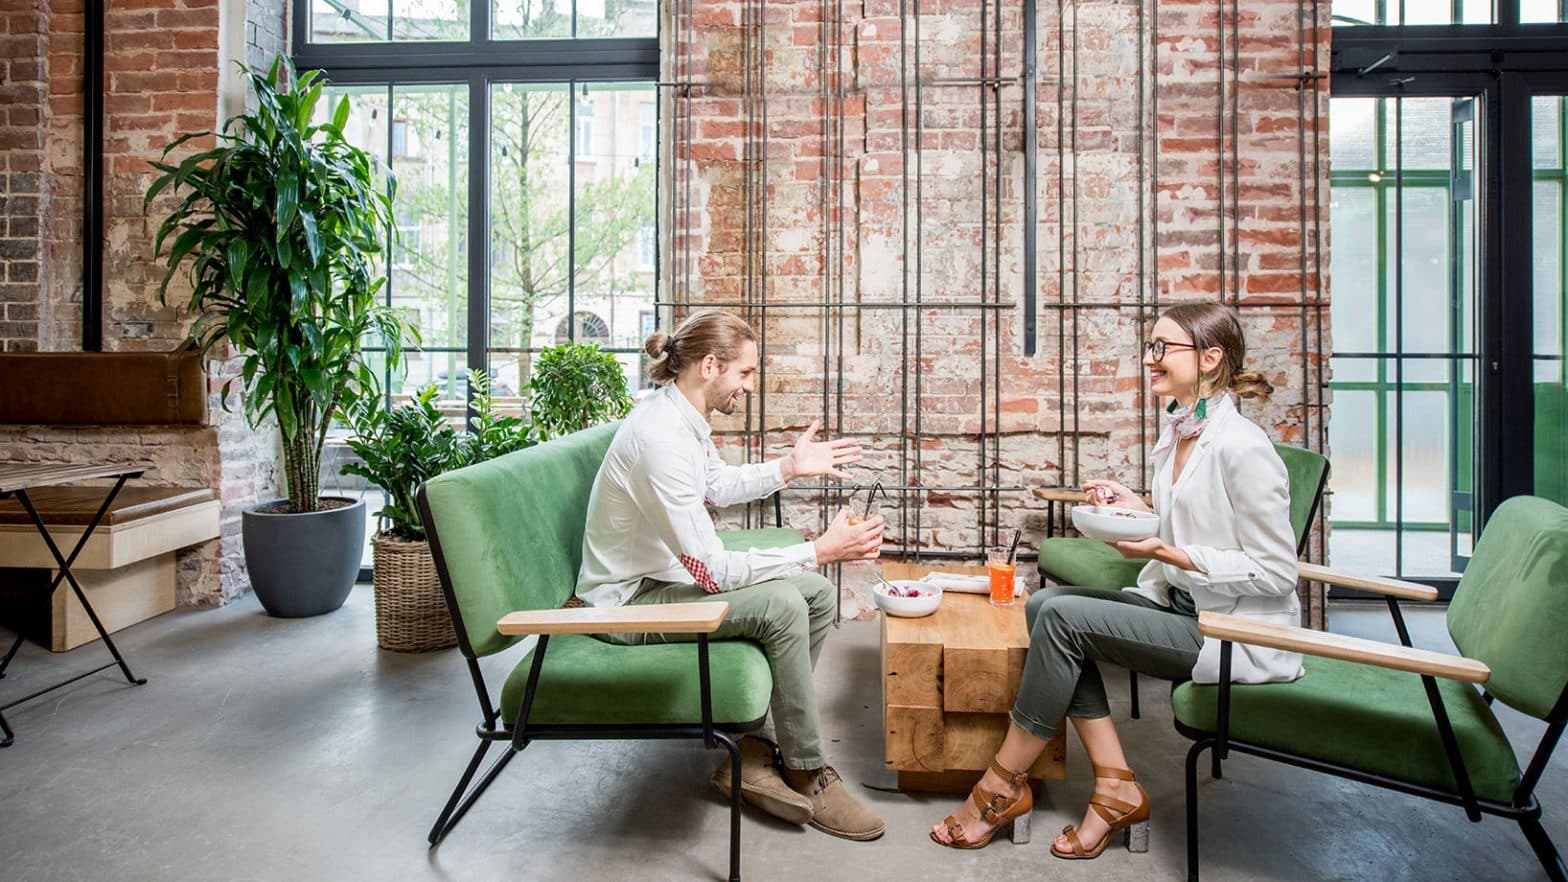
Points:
point(265, 30)
point(23, 47)
point(162, 63)
point(60, 318)
point(1076, 408)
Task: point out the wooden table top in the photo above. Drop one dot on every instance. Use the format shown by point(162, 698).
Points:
point(1059, 494)
point(963, 621)
point(1069, 494)
point(16, 476)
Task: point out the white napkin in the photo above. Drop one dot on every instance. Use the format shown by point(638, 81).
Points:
point(968, 584)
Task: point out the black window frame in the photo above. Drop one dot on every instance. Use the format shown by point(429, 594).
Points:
point(481, 63)
point(1505, 63)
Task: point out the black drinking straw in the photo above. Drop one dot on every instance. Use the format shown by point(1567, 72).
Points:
point(1012, 550)
point(871, 493)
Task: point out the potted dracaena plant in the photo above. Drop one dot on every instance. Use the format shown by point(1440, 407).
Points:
point(280, 223)
point(397, 450)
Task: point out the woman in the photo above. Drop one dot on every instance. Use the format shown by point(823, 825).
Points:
point(1225, 544)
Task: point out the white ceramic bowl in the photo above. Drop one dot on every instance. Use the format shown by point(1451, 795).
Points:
point(1109, 524)
point(909, 607)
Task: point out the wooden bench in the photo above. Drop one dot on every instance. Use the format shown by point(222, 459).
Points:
point(127, 567)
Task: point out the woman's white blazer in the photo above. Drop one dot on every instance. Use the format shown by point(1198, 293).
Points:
point(1230, 512)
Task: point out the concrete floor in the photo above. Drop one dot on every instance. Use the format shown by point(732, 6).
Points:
point(294, 750)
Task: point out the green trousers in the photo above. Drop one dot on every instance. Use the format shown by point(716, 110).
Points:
point(790, 618)
point(1072, 629)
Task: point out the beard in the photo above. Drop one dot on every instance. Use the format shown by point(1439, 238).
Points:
point(727, 405)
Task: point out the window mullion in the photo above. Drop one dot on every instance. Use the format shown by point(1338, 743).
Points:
point(478, 223)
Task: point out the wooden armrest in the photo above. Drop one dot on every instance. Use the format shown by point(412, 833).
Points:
point(1240, 629)
point(648, 618)
point(1377, 584)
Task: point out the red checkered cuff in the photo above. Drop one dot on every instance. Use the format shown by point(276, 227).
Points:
point(699, 573)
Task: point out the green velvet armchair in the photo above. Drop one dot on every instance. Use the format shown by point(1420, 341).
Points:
point(506, 536)
point(1412, 720)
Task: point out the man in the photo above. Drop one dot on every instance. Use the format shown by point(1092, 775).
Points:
point(649, 539)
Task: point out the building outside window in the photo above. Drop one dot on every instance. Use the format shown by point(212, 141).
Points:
point(522, 195)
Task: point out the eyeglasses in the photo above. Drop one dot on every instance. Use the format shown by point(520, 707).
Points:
point(1155, 349)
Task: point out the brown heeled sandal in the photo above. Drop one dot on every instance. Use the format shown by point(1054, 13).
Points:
point(1118, 814)
point(995, 810)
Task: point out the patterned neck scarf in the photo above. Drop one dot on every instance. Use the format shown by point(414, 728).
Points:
point(1190, 421)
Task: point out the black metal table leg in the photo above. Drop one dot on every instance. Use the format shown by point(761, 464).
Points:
point(6, 662)
point(65, 562)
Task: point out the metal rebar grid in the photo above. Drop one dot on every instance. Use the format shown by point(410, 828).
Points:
point(835, 305)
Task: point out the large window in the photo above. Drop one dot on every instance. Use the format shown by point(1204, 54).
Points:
point(1549, 276)
point(1447, 166)
point(523, 136)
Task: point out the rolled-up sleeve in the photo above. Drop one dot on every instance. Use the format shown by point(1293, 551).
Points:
point(668, 490)
point(1265, 563)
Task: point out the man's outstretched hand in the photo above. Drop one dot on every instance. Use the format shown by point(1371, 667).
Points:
point(811, 457)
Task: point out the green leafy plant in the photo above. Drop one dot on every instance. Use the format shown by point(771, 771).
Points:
point(490, 432)
point(574, 386)
point(402, 447)
point(280, 223)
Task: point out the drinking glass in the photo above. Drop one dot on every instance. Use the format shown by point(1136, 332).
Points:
point(1002, 571)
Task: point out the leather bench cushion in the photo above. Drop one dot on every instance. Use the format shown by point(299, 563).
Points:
point(588, 681)
point(77, 505)
point(103, 388)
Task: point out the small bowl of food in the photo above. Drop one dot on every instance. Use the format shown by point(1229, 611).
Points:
point(1109, 524)
point(907, 598)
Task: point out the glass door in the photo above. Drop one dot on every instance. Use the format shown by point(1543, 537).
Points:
point(1404, 224)
point(1549, 282)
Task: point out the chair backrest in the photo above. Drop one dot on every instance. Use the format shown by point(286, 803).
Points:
point(508, 533)
point(1308, 473)
point(1511, 607)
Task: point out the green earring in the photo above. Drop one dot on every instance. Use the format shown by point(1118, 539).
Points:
point(1203, 403)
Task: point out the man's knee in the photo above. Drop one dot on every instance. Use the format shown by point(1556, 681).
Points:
point(783, 603)
point(818, 591)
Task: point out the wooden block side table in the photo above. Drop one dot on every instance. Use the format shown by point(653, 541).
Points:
point(948, 682)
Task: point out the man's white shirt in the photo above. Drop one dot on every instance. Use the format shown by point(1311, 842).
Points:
point(647, 514)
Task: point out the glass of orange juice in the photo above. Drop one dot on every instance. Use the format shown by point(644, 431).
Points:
point(1002, 571)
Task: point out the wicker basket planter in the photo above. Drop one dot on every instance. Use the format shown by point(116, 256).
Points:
point(411, 614)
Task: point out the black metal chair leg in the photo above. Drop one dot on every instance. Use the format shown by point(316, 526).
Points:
point(734, 749)
point(6, 729)
point(1214, 764)
point(1545, 851)
point(453, 812)
point(1192, 808)
point(1132, 691)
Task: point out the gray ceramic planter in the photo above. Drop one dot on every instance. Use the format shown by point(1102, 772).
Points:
point(304, 564)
